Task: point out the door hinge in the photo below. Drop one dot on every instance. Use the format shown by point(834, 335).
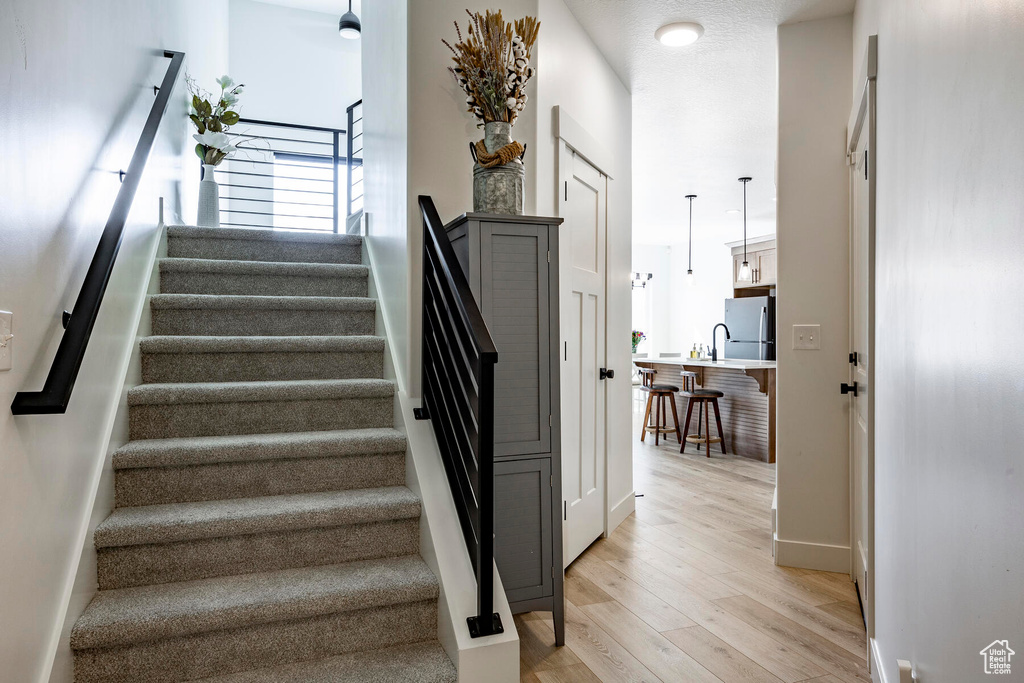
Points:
point(551, 421)
point(552, 571)
point(566, 190)
point(549, 256)
point(565, 510)
point(851, 159)
point(551, 481)
point(866, 164)
point(853, 358)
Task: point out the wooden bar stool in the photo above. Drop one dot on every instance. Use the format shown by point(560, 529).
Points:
point(704, 399)
point(657, 395)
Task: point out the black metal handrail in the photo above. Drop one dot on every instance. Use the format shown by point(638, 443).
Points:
point(355, 155)
point(60, 382)
point(458, 398)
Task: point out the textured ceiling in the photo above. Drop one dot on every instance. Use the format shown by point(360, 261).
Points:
point(338, 7)
point(703, 115)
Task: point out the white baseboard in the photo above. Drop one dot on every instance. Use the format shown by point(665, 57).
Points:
point(618, 512)
point(826, 558)
point(877, 672)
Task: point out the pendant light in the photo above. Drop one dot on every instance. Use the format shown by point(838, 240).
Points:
point(349, 26)
point(744, 275)
point(689, 263)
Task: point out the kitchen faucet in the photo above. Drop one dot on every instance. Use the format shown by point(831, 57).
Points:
point(714, 347)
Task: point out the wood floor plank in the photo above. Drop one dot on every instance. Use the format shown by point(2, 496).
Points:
point(602, 654)
point(845, 610)
point(580, 591)
point(654, 651)
point(719, 657)
point(850, 637)
point(777, 658)
point(697, 581)
point(706, 562)
point(537, 651)
point(843, 664)
point(641, 602)
point(577, 673)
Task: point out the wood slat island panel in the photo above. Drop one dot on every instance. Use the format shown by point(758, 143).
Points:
point(748, 407)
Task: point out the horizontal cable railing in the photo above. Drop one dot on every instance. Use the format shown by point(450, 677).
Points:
point(285, 176)
point(60, 381)
point(458, 398)
point(354, 152)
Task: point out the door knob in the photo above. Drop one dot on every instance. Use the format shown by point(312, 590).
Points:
point(605, 373)
point(845, 388)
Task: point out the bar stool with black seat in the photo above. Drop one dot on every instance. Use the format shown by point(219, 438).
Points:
point(657, 395)
point(705, 399)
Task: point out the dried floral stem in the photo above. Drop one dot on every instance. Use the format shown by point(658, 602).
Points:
point(492, 64)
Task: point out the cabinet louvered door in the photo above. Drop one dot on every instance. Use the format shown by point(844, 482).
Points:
point(514, 292)
point(522, 527)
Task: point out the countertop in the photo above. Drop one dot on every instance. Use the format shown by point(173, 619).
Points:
point(728, 364)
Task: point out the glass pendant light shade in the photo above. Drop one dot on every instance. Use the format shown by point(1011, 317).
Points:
point(689, 264)
point(349, 26)
point(744, 275)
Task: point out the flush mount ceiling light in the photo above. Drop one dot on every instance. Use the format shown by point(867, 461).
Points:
point(349, 26)
point(679, 33)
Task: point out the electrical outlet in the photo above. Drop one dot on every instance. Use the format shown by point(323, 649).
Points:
point(6, 339)
point(807, 337)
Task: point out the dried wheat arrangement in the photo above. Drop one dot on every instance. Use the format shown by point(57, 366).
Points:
point(492, 64)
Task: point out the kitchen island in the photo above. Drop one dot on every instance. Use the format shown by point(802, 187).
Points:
point(748, 408)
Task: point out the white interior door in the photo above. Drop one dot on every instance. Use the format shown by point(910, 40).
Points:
point(862, 250)
point(583, 205)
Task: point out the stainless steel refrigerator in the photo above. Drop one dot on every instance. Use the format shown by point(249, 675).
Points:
point(751, 323)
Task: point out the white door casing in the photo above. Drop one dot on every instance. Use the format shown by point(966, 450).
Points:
point(863, 168)
point(583, 204)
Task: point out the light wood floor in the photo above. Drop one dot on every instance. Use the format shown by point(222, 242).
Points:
point(685, 590)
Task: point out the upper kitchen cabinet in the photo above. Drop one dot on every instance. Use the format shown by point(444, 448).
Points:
point(762, 260)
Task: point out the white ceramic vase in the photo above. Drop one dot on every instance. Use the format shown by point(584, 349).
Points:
point(209, 199)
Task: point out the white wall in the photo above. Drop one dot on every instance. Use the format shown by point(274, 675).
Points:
point(949, 499)
point(295, 66)
point(574, 76)
point(653, 318)
point(813, 273)
point(78, 84)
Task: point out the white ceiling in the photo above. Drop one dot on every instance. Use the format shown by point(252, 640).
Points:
point(338, 7)
point(703, 115)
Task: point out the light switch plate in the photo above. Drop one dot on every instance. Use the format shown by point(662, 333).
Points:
point(807, 337)
point(6, 318)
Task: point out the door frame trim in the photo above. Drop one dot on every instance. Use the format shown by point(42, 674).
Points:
point(577, 141)
point(865, 114)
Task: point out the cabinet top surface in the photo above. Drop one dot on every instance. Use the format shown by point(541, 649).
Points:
point(502, 218)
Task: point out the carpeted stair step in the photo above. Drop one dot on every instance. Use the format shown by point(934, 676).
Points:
point(208, 276)
point(230, 314)
point(173, 359)
point(417, 663)
point(162, 411)
point(260, 244)
point(157, 471)
point(211, 627)
point(153, 544)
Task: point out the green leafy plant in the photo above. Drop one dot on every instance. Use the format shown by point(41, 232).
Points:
point(212, 121)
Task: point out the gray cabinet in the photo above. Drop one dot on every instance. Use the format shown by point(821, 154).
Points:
point(511, 263)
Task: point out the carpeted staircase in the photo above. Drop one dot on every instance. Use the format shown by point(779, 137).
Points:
point(262, 530)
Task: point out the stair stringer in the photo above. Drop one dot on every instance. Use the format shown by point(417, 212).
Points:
point(442, 547)
point(83, 583)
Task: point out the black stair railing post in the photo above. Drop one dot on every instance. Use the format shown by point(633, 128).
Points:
point(458, 359)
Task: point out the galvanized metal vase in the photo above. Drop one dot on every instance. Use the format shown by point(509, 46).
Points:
point(209, 199)
point(498, 189)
